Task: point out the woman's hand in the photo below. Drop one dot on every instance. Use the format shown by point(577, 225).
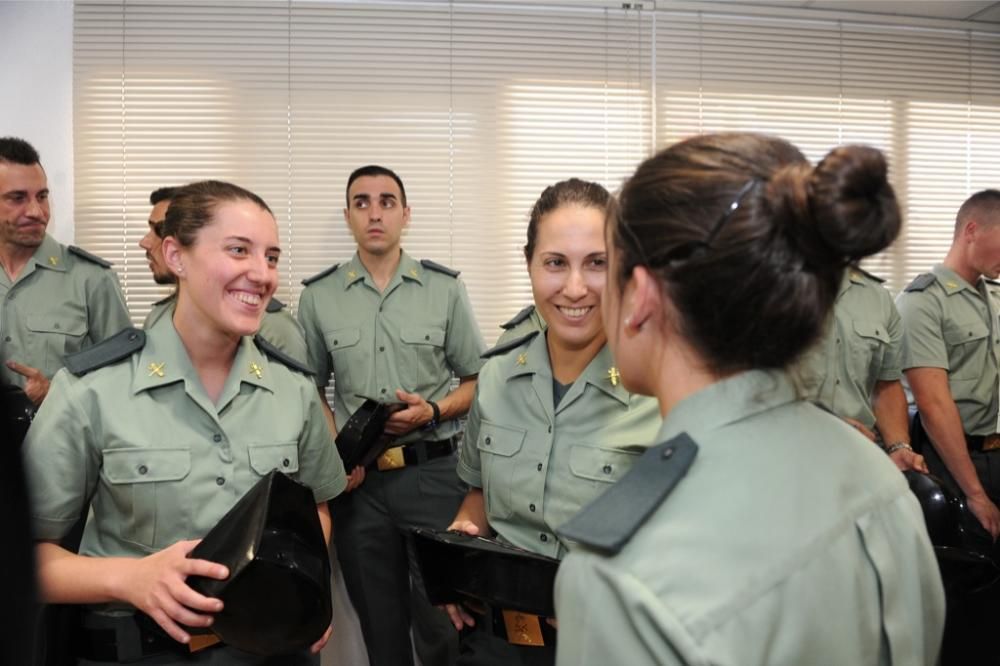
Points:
point(157, 585)
point(355, 478)
point(457, 613)
point(318, 645)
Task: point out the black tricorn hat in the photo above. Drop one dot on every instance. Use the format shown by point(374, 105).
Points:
point(458, 567)
point(361, 439)
point(277, 597)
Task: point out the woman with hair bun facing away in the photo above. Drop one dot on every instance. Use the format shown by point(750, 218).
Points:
point(760, 529)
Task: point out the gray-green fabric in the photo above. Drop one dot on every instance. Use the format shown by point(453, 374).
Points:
point(953, 325)
point(533, 322)
point(279, 328)
point(790, 540)
point(59, 304)
point(538, 466)
point(862, 345)
point(162, 462)
point(413, 336)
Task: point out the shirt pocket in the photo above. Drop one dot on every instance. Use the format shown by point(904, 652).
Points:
point(968, 345)
point(346, 355)
point(868, 345)
point(282, 457)
point(61, 332)
point(601, 464)
point(498, 447)
point(147, 493)
point(422, 360)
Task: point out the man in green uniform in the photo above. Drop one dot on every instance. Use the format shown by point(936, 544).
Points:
point(951, 345)
point(854, 369)
point(395, 329)
point(54, 299)
point(278, 326)
point(518, 326)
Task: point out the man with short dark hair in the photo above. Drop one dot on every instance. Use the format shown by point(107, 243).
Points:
point(153, 240)
point(54, 299)
point(951, 357)
point(394, 329)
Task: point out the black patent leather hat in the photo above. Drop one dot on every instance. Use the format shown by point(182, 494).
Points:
point(362, 438)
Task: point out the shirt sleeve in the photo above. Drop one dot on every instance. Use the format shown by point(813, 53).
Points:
point(464, 343)
point(892, 361)
point(469, 464)
point(61, 460)
point(316, 351)
point(923, 337)
point(320, 466)
point(106, 310)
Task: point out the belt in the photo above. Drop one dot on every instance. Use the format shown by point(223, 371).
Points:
point(416, 453)
point(984, 443)
point(125, 639)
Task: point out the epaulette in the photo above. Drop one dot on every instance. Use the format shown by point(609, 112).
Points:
point(993, 282)
point(507, 346)
point(921, 282)
point(434, 266)
point(607, 523)
point(871, 276)
point(121, 345)
point(279, 355)
point(92, 258)
point(309, 280)
point(165, 299)
point(274, 305)
point(518, 318)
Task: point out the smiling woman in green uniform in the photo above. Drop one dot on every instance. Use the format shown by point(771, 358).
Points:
point(166, 430)
point(552, 426)
point(760, 529)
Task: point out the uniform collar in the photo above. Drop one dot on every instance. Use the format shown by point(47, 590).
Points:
point(164, 360)
point(408, 269)
point(50, 255)
point(727, 401)
point(533, 359)
point(951, 281)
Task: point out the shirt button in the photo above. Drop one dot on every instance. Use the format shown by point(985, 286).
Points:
point(383, 390)
point(286, 462)
point(668, 452)
point(335, 342)
point(488, 441)
point(133, 337)
point(607, 469)
point(381, 349)
point(55, 326)
point(539, 467)
point(216, 437)
point(7, 339)
point(531, 507)
point(143, 469)
point(550, 428)
point(543, 537)
point(220, 481)
point(427, 337)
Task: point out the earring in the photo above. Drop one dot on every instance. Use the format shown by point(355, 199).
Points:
point(628, 322)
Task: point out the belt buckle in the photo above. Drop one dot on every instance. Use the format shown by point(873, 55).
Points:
point(991, 442)
point(201, 641)
point(391, 459)
point(523, 628)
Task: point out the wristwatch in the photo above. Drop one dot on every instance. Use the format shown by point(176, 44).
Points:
point(436, 418)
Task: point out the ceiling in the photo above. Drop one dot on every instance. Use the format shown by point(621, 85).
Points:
point(956, 10)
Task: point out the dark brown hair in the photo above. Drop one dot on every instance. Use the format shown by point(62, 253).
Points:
point(750, 241)
point(192, 207)
point(983, 205)
point(565, 192)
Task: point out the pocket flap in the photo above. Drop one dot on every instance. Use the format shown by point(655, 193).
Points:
point(962, 332)
point(342, 337)
point(422, 335)
point(500, 440)
point(57, 322)
point(600, 464)
point(870, 329)
point(146, 465)
point(282, 457)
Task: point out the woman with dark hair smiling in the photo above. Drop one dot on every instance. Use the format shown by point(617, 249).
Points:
point(760, 529)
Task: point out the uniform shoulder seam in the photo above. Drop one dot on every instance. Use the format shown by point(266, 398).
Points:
point(434, 266)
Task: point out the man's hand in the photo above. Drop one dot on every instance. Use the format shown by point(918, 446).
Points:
point(906, 459)
point(319, 644)
point(416, 414)
point(36, 386)
point(860, 427)
point(355, 478)
point(156, 585)
point(985, 512)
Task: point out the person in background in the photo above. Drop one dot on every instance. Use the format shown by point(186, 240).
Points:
point(760, 529)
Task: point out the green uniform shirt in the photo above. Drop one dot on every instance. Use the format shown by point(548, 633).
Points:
point(60, 303)
point(412, 336)
point(524, 322)
point(790, 540)
point(862, 345)
point(162, 462)
point(538, 466)
point(952, 325)
point(279, 328)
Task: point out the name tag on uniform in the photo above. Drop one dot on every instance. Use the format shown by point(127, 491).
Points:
point(523, 629)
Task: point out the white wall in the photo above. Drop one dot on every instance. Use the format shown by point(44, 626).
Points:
point(36, 77)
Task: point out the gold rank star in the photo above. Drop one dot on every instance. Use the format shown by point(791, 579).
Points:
point(54, 261)
point(614, 376)
point(352, 274)
point(951, 285)
point(256, 370)
point(522, 358)
point(156, 369)
point(413, 272)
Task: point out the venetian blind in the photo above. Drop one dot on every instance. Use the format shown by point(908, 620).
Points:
point(478, 106)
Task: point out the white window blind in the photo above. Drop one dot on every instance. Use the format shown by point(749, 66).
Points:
point(479, 105)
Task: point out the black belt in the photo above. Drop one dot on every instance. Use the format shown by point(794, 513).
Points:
point(985, 443)
point(122, 639)
point(397, 457)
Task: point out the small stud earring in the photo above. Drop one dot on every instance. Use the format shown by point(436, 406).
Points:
point(628, 322)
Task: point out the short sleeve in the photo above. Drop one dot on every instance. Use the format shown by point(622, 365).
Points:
point(106, 310)
point(284, 332)
point(892, 361)
point(320, 465)
point(923, 337)
point(469, 463)
point(316, 351)
point(464, 343)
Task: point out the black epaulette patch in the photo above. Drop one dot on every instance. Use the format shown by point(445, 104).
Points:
point(92, 258)
point(121, 345)
point(434, 266)
point(309, 280)
point(274, 305)
point(921, 282)
point(165, 300)
point(992, 282)
point(607, 523)
point(279, 355)
point(871, 276)
point(507, 346)
point(518, 318)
